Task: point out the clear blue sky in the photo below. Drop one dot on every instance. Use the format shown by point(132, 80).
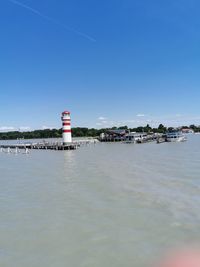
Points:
point(109, 62)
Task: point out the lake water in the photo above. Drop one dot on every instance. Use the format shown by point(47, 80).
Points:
point(103, 205)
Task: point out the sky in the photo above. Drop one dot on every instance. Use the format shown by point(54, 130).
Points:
point(109, 62)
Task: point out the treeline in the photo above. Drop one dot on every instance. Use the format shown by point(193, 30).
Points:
point(49, 133)
point(84, 132)
point(37, 134)
point(195, 128)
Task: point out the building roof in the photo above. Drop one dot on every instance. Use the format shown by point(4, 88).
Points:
point(116, 132)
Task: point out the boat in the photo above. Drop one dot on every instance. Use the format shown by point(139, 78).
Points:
point(175, 136)
point(134, 137)
point(129, 139)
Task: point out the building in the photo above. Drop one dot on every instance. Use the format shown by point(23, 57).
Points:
point(113, 135)
point(187, 131)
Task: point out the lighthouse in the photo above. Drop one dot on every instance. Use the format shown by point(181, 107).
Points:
point(66, 129)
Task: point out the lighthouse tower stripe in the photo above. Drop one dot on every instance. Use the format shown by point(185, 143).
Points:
point(67, 131)
point(66, 123)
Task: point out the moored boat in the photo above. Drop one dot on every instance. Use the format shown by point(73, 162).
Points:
point(175, 136)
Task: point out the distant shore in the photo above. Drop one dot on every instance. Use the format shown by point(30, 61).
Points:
point(87, 132)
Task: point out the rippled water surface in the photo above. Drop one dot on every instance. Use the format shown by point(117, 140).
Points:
point(104, 205)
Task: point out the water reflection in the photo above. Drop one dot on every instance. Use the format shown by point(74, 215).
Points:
point(69, 160)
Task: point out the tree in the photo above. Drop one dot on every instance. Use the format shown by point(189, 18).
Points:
point(162, 128)
point(147, 129)
point(123, 127)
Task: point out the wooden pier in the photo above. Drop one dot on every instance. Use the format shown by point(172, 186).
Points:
point(44, 146)
point(70, 146)
point(49, 145)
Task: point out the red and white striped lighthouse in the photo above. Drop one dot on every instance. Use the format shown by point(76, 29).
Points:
point(66, 122)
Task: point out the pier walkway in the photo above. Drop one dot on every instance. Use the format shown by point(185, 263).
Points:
point(50, 145)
